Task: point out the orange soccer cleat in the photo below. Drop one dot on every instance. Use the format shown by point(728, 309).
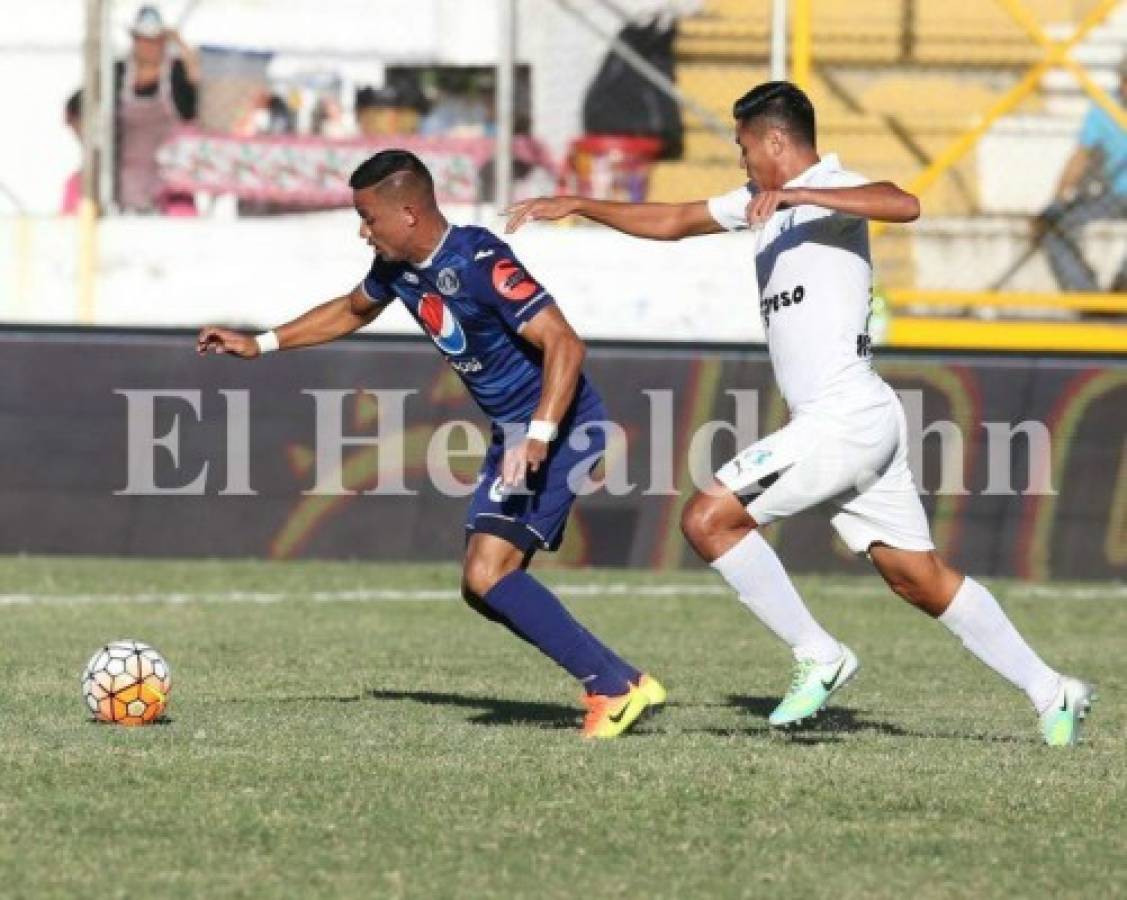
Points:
point(608, 717)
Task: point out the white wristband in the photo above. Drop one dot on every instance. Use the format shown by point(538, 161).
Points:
point(267, 341)
point(542, 430)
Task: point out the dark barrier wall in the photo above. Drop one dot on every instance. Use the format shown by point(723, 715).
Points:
point(63, 439)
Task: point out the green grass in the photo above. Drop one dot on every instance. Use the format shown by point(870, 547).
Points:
point(371, 749)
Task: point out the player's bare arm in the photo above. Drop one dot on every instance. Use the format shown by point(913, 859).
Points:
point(333, 319)
point(657, 221)
point(564, 353)
point(880, 201)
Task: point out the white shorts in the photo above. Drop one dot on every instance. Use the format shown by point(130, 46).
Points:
point(855, 460)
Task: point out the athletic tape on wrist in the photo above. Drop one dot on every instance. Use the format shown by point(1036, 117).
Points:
point(542, 430)
point(267, 342)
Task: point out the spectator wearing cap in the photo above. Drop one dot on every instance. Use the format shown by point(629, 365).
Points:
point(1093, 186)
point(156, 89)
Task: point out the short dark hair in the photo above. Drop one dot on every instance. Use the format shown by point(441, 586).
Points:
point(784, 104)
point(388, 162)
point(74, 106)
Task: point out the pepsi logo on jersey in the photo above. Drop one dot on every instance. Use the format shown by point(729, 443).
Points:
point(512, 282)
point(442, 325)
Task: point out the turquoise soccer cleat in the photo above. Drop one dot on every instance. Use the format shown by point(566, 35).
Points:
point(1060, 723)
point(812, 686)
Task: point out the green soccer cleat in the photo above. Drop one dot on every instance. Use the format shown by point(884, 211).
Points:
point(812, 686)
point(1060, 723)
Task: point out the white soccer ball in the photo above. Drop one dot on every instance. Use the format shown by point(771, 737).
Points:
point(126, 683)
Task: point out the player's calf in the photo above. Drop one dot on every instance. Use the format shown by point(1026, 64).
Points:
point(973, 615)
point(493, 573)
point(921, 578)
point(480, 572)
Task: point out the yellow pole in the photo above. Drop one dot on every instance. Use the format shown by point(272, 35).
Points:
point(800, 43)
point(87, 259)
point(23, 260)
point(93, 96)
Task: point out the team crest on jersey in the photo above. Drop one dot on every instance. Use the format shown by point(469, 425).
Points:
point(442, 325)
point(512, 282)
point(448, 282)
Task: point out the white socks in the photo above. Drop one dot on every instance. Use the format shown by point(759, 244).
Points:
point(975, 617)
point(753, 570)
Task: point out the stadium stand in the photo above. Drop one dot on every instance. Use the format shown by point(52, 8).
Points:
point(895, 83)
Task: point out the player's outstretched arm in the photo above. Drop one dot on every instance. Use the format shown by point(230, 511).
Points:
point(332, 319)
point(658, 221)
point(880, 201)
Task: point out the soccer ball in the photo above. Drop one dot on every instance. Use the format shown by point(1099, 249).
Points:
point(126, 683)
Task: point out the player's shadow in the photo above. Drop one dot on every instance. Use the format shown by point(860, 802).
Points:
point(824, 728)
point(834, 721)
point(492, 710)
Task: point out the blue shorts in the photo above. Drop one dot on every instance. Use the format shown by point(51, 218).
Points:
point(535, 519)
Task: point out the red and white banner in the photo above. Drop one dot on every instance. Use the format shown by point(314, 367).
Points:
point(312, 171)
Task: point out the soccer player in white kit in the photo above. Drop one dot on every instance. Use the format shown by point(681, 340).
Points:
point(846, 442)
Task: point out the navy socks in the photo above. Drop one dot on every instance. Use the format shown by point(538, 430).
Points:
point(534, 613)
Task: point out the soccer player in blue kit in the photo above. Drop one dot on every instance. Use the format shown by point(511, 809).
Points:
point(522, 363)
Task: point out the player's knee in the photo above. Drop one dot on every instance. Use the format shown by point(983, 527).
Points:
point(702, 518)
point(480, 574)
point(468, 593)
point(694, 519)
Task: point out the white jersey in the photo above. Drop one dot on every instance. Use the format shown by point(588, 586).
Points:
point(815, 288)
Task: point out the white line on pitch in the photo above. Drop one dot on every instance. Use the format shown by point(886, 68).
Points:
point(375, 595)
point(608, 589)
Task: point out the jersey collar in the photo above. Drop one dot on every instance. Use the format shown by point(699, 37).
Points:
point(426, 263)
point(829, 162)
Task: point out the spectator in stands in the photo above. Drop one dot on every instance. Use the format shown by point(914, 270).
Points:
point(156, 89)
point(265, 113)
point(72, 188)
point(1092, 187)
point(329, 120)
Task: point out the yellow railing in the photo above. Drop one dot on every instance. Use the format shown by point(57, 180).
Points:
point(1056, 54)
point(936, 333)
point(973, 333)
point(1078, 302)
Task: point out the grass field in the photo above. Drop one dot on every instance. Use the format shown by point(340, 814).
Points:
point(325, 739)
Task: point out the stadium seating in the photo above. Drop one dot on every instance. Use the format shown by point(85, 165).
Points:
point(895, 83)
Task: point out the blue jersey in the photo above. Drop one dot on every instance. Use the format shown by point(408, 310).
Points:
point(472, 297)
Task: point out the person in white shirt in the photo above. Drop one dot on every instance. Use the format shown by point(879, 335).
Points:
point(846, 442)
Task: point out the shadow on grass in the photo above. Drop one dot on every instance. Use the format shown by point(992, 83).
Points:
point(840, 719)
point(835, 721)
point(827, 728)
point(163, 720)
point(491, 710)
